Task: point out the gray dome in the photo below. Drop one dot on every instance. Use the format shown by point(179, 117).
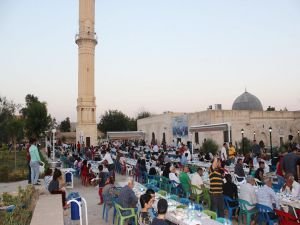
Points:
point(247, 101)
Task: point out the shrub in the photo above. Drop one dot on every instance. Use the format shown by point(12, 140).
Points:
point(209, 146)
point(24, 202)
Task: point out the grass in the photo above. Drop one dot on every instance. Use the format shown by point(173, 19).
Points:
point(8, 173)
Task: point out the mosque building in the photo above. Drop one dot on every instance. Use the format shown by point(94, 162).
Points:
point(246, 118)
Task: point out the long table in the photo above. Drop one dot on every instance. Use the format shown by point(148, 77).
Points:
point(175, 215)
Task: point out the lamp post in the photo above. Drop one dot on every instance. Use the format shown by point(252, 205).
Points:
point(254, 135)
point(53, 142)
point(270, 131)
point(242, 132)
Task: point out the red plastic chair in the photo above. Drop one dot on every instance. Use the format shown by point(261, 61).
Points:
point(286, 218)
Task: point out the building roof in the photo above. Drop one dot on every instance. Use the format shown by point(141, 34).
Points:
point(247, 101)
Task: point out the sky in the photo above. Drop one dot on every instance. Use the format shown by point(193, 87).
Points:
point(158, 55)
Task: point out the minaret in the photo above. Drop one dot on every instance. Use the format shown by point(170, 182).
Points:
point(86, 39)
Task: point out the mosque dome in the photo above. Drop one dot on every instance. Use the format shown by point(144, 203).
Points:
point(247, 101)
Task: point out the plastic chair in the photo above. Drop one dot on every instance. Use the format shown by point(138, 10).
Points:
point(245, 211)
point(276, 187)
point(228, 201)
point(286, 218)
point(164, 184)
point(120, 218)
point(263, 214)
point(206, 198)
point(184, 201)
point(174, 197)
point(174, 187)
point(198, 207)
point(195, 194)
point(211, 214)
point(129, 170)
point(162, 192)
point(224, 221)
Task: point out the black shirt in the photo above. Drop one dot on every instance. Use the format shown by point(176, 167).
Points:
point(157, 221)
point(230, 189)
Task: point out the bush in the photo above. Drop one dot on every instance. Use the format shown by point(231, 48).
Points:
point(209, 146)
point(24, 202)
point(247, 146)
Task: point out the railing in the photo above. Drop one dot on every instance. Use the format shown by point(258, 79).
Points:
point(86, 35)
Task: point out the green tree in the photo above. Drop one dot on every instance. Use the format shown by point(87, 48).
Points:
point(7, 113)
point(114, 120)
point(209, 146)
point(247, 146)
point(15, 130)
point(36, 116)
point(65, 125)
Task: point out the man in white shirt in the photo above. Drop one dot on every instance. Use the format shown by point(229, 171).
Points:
point(189, 157)
point(247, 192)
point(266, 195)
point(224, 152)
point(109, 160)
point(173, 175)
point(197, 180)
point(291, 186)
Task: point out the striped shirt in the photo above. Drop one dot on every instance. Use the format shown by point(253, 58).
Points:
point(216, 181)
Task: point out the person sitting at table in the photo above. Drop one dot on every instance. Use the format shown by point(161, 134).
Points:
point(183, 160)
point(127, 198)
point(54, 188)
point(230, 190)
point(109, 192)
point(239, 168)
point(167, 159)
point(247, 192)
point(185, 180)
point(259, 173)
point(291, 186)
point(151, 211)
point(197, 180)
point(152, 171)
point(174, 177)
point(166, 171)
point(144, 217)
point(267, 196)
point(162, 208)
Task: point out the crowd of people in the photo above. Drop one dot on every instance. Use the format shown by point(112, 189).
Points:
point(254, 186)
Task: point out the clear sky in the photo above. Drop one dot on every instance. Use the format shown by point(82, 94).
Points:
point(158, 55)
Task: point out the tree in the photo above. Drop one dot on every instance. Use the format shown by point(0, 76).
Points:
point(15, 131)
point(143, 114)
point(114, 120)
point(247, 146)
point(209, 146)
point(65, 125)
point(7, 112)
point(36, 116)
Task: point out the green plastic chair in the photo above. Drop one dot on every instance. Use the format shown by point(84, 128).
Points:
point(120, 218)
point(174, 197)
point(206, 198)
point(165, 184)
point(244, 211)
point(195, 195)
point(211, 214)
point(162, 192)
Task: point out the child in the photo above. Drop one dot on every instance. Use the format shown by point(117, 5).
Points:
point(144, 217)
point(102, 179)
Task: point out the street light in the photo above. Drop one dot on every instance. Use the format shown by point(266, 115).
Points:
point(242, 132)
point(270, 131)
point(53, 141)
point(254, 135)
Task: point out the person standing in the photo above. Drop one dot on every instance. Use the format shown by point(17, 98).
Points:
point(216, 188)
point(224, 152)
point(231, 153)
point(28, 163)
point(35, 162)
